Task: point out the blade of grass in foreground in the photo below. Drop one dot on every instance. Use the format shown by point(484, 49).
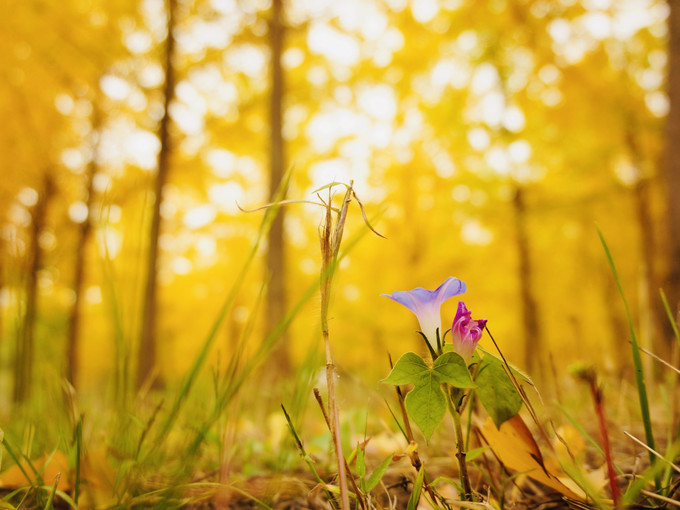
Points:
point(79, 451)
point(670, 316)
point(264, 349)
point(585, 434)
point(637, 362)
point(267, 221)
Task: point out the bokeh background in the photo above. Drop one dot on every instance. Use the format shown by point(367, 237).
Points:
point(486, 139)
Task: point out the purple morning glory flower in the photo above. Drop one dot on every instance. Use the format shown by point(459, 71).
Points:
point(426, 304)
point(466, 332)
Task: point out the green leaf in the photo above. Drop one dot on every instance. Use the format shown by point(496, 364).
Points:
point(516, 371)
point(451, 368)
point(361, 462)
point(417, 487)
point(377, 475)
point(473, 454)
point(408, 370)
point(426, 404)
point(496, 391)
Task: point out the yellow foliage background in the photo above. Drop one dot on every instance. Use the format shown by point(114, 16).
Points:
point(438, 110)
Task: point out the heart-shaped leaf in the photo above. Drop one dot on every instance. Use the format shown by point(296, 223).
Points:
point(409, 369)
point(496, 391)
point(426, 404)
point(451, 368)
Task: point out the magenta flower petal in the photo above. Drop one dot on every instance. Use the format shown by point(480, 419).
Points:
point(466, 332)
point(426, 304)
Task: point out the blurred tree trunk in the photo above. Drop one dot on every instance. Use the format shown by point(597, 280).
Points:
point(651, 301)
point(25, 348)
point(533, 348)
point(146, 361)
point(2, 287)
point(276, 259)
point(672, 164)
point(82, 241)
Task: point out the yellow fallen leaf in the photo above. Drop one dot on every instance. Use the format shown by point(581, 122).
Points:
point(49, 465)
point(516, 448)
point(572, 437)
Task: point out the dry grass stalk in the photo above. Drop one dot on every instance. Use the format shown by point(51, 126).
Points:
point(330, 245)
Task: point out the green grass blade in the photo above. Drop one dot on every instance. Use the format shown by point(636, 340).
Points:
point(79, 451)
point(576, 474)
point(66, 499)
point(306, 457)
point(396, 420)
point(670, 315)
point(15, 458)
point(49, 505)
point(633, 491)
point(417, 488)
point(585, 435)
point(190, 378)
point(377, 475)
point(268, 344)
point(251, 364)
point(637, 362)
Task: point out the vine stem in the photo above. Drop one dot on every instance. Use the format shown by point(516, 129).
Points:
point(460, 448)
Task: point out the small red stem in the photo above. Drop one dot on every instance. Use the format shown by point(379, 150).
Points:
point(599, 409)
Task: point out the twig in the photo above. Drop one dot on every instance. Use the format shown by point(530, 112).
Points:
point(653, 451)
point(660, 360)
point(654, 495)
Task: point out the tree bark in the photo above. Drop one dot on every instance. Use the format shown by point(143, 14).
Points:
point(533, 348)
point(672, 163)
point(25, 349)
point(147, 362)
point(276, 257)
point(82, 241)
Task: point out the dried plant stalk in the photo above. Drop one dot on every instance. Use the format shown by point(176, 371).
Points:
point(330, 246)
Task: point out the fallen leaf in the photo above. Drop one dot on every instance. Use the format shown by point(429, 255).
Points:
point(49, 465)
point(516, 448)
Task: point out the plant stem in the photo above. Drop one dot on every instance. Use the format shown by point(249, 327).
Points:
point(637, 362)
point(413, 452)
point(611, 472)
point(460, 448)
point(330, 246)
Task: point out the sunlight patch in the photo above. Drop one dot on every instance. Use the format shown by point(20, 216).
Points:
point(379, 102)
point(93, 295)
point(199, 216)
point(78, 211)
point(225, 196)
point(181, 265)
point(474, 233)
point(340, 48)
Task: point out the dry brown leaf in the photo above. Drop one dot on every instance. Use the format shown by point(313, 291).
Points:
point(515, 447)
